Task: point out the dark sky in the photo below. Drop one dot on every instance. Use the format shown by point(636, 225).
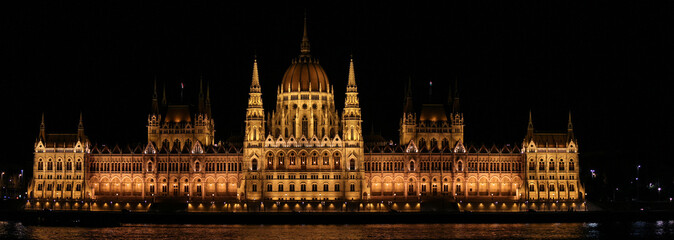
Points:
point(610, 64)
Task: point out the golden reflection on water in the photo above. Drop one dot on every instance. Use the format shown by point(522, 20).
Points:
point(662, 230)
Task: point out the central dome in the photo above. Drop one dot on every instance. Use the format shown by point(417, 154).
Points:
point(305, 75)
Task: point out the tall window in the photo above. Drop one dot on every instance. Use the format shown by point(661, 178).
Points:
point(269, 188)
point(531, 188)
point(314, 159)
point(541, 188)
point(292, 158)
point(336, 187)
point(59, 166)
point(40, 166)
point(149, 166)
point(305, 126)
point(280, 159)
point(254, 165)
point(551, 167)
point(315, 131)
point(541, 166)
point(411, 166)
point(572, 166)
point(532, 166)
point(561, 166)
point(78, 166)
point(314, 187)
point(352, 165)
point(352, 188)
point(410, 188)
point(325, 187)
point(280, 187)
point(69, 166)
point(196, 166)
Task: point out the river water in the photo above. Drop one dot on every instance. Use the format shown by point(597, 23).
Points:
point(630, 230)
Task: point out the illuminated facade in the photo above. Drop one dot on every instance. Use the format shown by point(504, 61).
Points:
point(305, 150)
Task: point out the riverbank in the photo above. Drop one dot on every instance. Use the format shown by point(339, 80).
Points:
point(102, 218)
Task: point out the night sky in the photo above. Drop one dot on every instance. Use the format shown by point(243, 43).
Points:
point(610, 64)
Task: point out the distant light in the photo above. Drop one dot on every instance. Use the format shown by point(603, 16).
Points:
point(430, 83)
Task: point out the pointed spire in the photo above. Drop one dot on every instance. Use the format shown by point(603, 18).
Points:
point(530, 126)
point(42, 134)
point(255, 84)
point(80, 128)
point(409, 106)
point(155, 103)
point(80, 125)
point(351, 86)
point(305, 46)
point(570, 127)
point(208, 99)
point(455, 102)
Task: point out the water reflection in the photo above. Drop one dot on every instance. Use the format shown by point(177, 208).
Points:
point(636, 230)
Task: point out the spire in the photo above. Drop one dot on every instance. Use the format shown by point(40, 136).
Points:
point(155, 103)
point(42, 129)
point(530, 126)
point(208, 99)
point(570, 127)
point(255, 84)
point(455, 102)
point(304, 46)
point(351, 86)
point(409, 106)
point(80, 125)
point(80, 128)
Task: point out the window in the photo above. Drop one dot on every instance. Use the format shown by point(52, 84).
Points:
point(411, 166)
point(39, 187)
point(151, 188)
point(40, 165)
point(326, 160)
point(314, 187)
point(572, 166)
point(305, 127)
point(325, 187)
point(572, 188)
point(292, 158)
point(459, 166)
point(186, 188)
point(561, 188)
point(69, 166)
point(541, 188)
point(280, 187)
point(69, 187)
point(254, 188)
point(336, 187)
point(541, 166)
point(199, 189)
point(78, 187)
point(59, 166)
point(197, 167)
point(149, 166)
point(445, 143)
point(551, 188)
point(269, 188)
point(410, 188)
point(458, 188)
point(422, 143)
point(552, 165)
point(270, 161)
point(314, 159)
point(352, 165)
point(292, 187)
point(434, 143)
point(254, 165)
point(303, 188)
point(78, 166)
point(423, 188)
point(531, 188)
point(164, 188)
point(532, 166)
point(352, 188)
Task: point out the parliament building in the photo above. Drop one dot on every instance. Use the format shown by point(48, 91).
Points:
point(305, 149)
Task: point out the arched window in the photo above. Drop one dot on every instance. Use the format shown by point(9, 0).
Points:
point(78, 165)
point(270, 160)
point(561, 188)
point(337, 159)
point(165, 144)
point(551, 188)
point(352, 136)
point(459, 166)
point(286, 133)
point(541, 165)
point(196, 166)
point(291, 156)
point(411, 166)
point(149, 166)
point(188, 143)
point(561, 166)
point(532, 188)
point(254, 165)
point(541, 188)
point(434, 143)
point(280, 159)
point(572, 167)
point(315, 130)
point(422, 143)
point(532, 166)
point(572, 188)
point(59, 166)
point(40, 165)
point(176, 144)
point(352, 165)
point(551, 167)
point(305, 126)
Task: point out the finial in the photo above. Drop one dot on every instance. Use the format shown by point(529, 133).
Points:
point(570, 124)
point(42, 123)
point(304, 46)
point(81, 124)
